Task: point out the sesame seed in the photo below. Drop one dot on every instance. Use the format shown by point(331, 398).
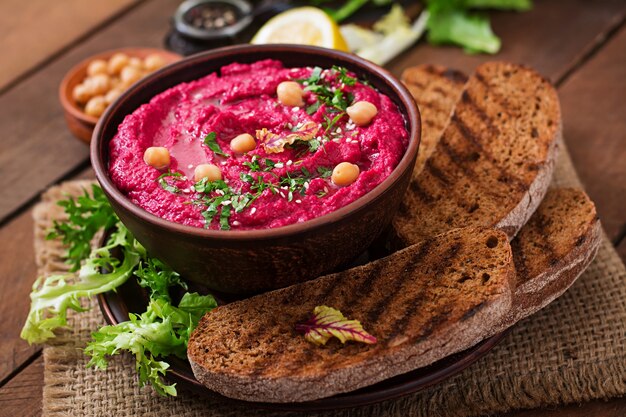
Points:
point(220, 192)
point(279, 165)
point(223, 162)
point(253, 210)
point(284, 187)
point(326, 189)
point(282, 194)
point(186, 190)
point(190, 166)
point(306, 185)
point(226, 202)
point(298, 201)
point(236, 223)
point(289, 162)
point(295, 109)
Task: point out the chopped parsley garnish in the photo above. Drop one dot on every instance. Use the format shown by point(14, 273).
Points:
point(255, 166)
point(324, 172)
point(326, 93)
point(210, 140)
point(343, 75)
point(162, 180)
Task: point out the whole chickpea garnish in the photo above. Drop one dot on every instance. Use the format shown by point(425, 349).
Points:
point(157, 157)
point(362, 112)
point(208, 171)
point(290, 94)
point(345, 173)
point(243, 143)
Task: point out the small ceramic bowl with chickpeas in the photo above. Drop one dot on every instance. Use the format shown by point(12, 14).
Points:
point(92, 85)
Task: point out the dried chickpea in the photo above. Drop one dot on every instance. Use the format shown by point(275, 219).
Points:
point(209, 171)
point(117, 62)
point(129, 75)
point(243, 143)
point(362, 112)
point(135, 63)
point(345, 173)
point(95, 106)
point(157, 157)
point(97, 84)
point(97, 66)
point(81, 93)
point(153, 62)
point(290, 94)
point(112, 95)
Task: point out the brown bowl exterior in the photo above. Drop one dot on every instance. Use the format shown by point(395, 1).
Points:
point(245, 262)
point(79, 123)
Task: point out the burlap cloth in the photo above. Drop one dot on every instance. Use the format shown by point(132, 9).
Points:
point(574, 350)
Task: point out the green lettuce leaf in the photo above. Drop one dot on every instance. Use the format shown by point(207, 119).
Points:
point(161, 331)
point(52, 296)
point(472, 32)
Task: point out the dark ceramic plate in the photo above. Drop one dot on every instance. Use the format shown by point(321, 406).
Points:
point(130, 298)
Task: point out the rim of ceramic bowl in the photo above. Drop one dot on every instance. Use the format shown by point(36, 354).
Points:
point(410, 112)
point(65, 96)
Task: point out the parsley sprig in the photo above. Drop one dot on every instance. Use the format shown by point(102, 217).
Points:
point(210, 141)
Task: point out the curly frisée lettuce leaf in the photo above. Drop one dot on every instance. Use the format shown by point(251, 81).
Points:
point(327, 322)
point(87, 214)
point(161, 331)
point(53, 296)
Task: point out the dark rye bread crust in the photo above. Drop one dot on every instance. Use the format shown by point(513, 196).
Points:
point(494, 160)
point(556, 245)
point(436, 90)
point(422, 303)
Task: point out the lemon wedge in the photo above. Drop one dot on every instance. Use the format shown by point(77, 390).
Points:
point(302, 25)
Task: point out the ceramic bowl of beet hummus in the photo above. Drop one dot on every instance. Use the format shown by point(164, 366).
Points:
point(251, 168)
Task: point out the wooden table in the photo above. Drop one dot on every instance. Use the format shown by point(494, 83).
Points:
point(579, 45)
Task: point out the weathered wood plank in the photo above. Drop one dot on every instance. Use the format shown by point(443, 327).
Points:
point(550, 38)
point(22, 396)
point(61, 22)
point(594, 110)
point(36, 149)
point(17, 270)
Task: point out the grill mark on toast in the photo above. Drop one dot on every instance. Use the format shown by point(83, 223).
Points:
point(519, 259)
point(418, 191)
point(456, 77)
point(480, 112)
point(542, 224)
point(432, 323)
point(502, 101)
point(366, 283)
point(436, 172)
point(504, 176)
point(473, 310)
point(400, 324)
point(375, 312)
point(461, 162)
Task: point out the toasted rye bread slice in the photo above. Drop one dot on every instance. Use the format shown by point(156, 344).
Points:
point(422, 303)
point(436, 90)
point(494, 161)
point(556, 245)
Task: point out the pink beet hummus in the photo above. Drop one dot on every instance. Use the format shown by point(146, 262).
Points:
point(266, 187)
